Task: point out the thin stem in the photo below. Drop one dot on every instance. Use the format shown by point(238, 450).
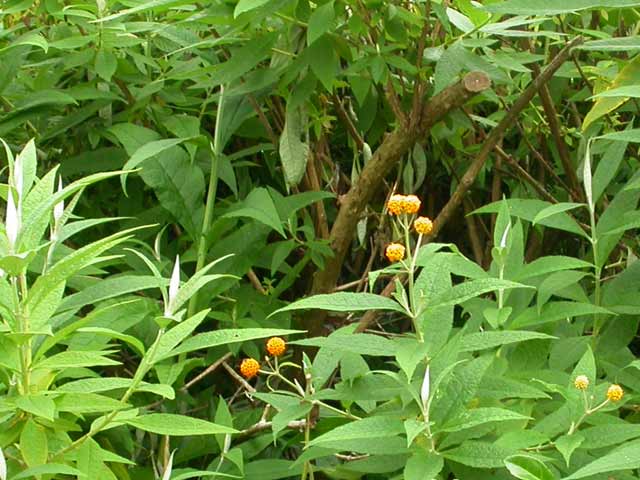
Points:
point(597, 324)
point(144, 367)
point(25, 348)
point(211, 198)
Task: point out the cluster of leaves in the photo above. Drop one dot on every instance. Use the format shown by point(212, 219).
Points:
point(229, 132)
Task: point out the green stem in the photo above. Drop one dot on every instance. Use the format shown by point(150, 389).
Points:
point(597, 320)
point(412, 257)
point(211, 198)
point(145, 366)
point(25, 347)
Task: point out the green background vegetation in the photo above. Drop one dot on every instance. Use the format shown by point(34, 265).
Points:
point(259, 141)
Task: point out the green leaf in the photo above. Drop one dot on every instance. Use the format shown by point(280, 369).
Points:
point(527, 209)
point(247, 5)
point(421, 466)
point(549, 264)
point(617, 44)
point(179, 186)
point(288, 414)
point(629, 75)
point(631, 91)
point(39, 405)
point(554, 311)
point(106, 64)
point(83, 403)
point(107, 332)
point(177, 425)
point(73, 359)
point(259, 206)
point(344, 302)
point(413, 428)
point(567, 444)
point(111, 287)
point(226, 337)
point(97, 385)
point(628, 135)
point(554, 209)
point(474, 288)
point(293, 151)
point(479, 416)
point(90, 459)
point(321, 21)
point(367, 428)
point(177, 334)
point(33, 444)
point(143, 7)
point(551, 7)
point(146, 151)
point(48, 469)
point(362, 344)
point(625, 457)
point(484, 340)
point(324, 61)
point(479, 454)
point(607, 435)
point(526, 467)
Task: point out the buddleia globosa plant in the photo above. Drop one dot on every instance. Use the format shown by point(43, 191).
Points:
point(53, 404)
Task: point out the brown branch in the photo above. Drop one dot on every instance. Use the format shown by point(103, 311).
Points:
point(210, 369)
point(526, 176)
point(498, 132)
point(393, 148)
point(322, 225)
point(247, 387)
point(346, 120)
point(554, 125)
point(255, 281)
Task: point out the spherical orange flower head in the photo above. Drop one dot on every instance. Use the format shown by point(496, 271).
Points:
point(249, 368)
point(394, 252)
point(276, 346)
point(581, 382)
point(423, 225)
point(395, 203)
point(615, 393)
point(411, 204)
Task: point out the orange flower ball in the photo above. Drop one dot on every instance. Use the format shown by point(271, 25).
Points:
point(394, 252)
point(276, 346)
point(249, 368)
point(411, 204)
point(423, 225)
point(394, 205)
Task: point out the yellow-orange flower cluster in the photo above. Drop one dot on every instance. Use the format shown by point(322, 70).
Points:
point(423, 225)
point(581, 382)
point(276, 346)
point(615, 393)
point(399, 204)
point(394, 252)
point(249, 368)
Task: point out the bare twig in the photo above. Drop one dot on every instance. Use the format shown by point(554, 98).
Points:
point(346, 120)
point(255, 281)
point(238, 378)
point(210, 369)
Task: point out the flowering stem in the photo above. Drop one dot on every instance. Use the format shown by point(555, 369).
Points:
point(412, 257)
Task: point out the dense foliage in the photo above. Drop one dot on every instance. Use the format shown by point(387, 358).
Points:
point(346, 239)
